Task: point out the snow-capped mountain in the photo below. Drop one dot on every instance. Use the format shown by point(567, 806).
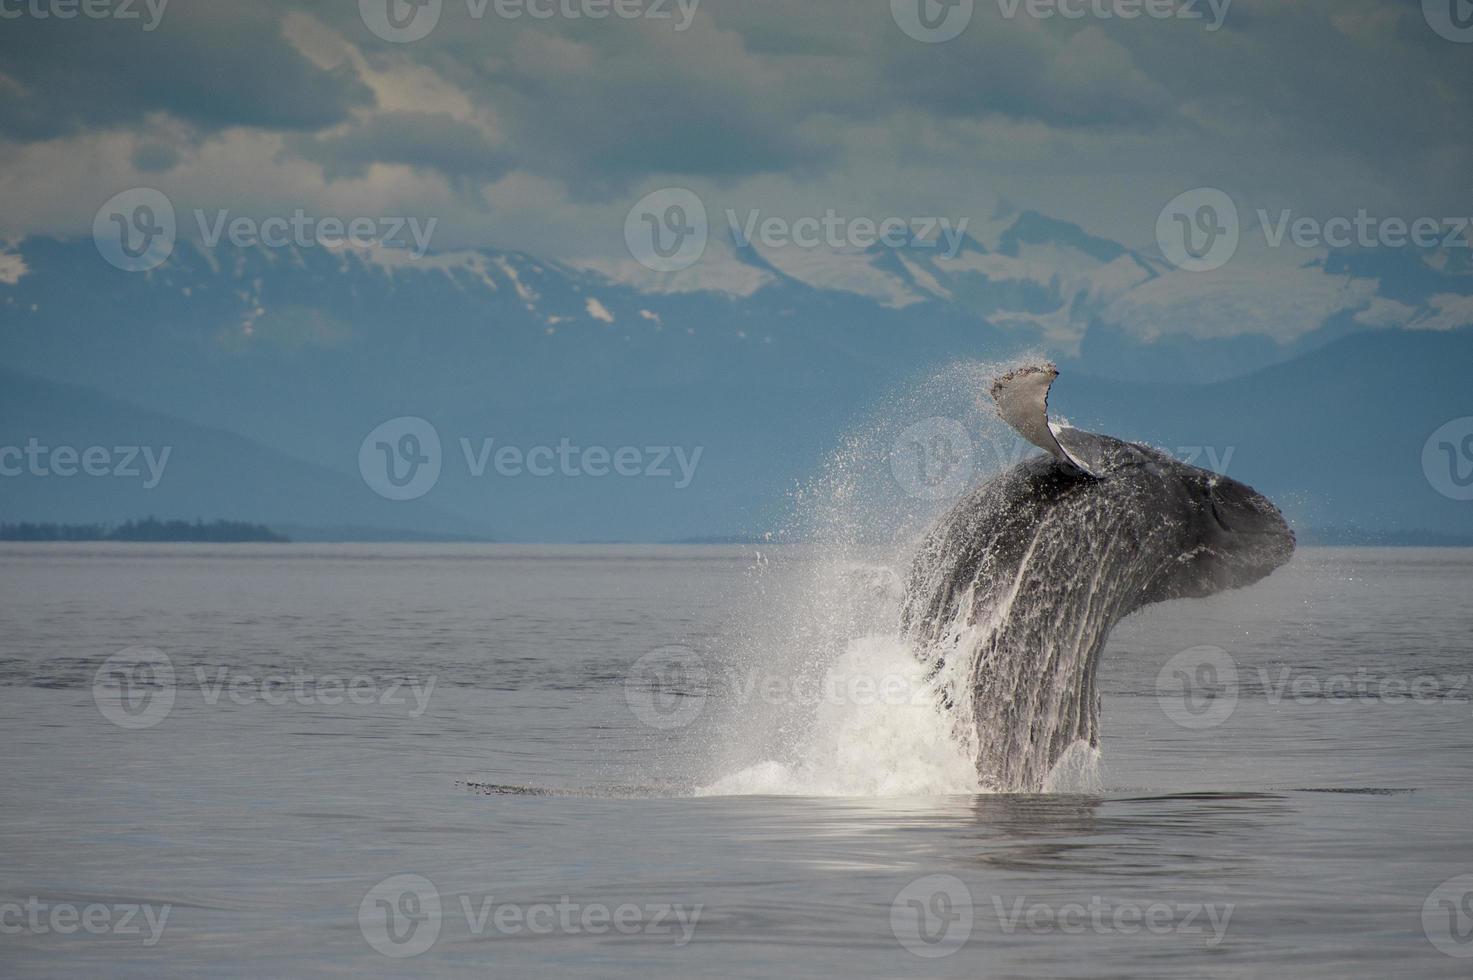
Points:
point(762, 356)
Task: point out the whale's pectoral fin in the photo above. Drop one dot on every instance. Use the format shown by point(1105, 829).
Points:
point(1022, 402)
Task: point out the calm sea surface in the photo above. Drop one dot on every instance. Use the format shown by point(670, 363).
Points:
point(511, 761)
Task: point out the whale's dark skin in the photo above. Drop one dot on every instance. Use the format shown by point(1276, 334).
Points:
point(1029, 572)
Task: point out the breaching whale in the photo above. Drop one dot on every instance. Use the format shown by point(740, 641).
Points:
point(1027, 574)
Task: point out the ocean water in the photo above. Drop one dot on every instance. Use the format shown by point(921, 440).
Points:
point(707, 761)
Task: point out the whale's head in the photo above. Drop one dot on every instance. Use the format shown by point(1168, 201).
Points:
point(1226, 534)
point(1209, 533)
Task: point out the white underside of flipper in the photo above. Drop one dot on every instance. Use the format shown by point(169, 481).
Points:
point(1022, 402)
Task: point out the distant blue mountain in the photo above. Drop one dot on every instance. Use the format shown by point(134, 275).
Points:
point(148, 464)
point(271, 368)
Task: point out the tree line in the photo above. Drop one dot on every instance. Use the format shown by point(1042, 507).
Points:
point(147, 529)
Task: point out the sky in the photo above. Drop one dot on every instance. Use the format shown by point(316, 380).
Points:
point(534, 125)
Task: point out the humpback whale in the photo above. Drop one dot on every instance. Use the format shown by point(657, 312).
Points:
point(1015, 590)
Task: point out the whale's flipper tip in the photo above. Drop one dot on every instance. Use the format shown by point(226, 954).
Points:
point(1027, 378)
point(1022, 402)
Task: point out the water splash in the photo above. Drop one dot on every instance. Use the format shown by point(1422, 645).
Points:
point(877, 731)
point(883, 723)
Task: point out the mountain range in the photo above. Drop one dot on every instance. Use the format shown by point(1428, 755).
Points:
point(266, 369)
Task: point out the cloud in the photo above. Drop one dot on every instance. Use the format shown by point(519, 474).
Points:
point(210, 64)
point(538, 134)
point(1024, 71)
point(154, 158)
point(1449, 312)
point(603, 116)
point(431, 140)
